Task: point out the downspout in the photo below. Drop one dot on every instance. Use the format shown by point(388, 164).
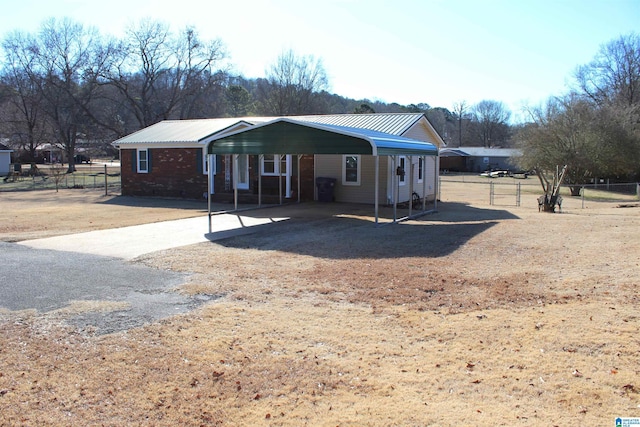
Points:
point(289, 165)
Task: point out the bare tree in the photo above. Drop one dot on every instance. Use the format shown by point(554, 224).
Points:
point(613, 76)
point(61, 66)
point(460, 110)
point(492, 118)
point(292, 85)
point(561, 133)
point(22, 114)
point(162, 76)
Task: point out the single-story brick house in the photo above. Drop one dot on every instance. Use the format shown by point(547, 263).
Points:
point(5, 160)
point(171, 158)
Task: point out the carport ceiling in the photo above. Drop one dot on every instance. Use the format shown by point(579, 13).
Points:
point(287, 136)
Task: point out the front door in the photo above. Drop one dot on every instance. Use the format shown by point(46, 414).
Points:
point(243, 172)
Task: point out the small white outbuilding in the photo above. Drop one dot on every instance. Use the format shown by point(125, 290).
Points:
point(5, 160)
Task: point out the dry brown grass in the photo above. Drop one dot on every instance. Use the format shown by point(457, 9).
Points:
point(46, 213)
point(471, 316)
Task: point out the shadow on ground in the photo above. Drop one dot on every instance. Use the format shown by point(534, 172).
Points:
point(341, 231)
point(153, 202)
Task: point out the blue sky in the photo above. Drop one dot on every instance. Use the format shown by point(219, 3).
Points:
point(440, 52)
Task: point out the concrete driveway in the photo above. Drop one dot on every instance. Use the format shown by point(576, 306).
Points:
point(131, 242)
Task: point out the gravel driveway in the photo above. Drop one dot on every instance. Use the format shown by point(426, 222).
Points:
point(47, 280)
point(51, 273)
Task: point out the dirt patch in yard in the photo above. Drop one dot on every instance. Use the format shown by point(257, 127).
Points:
point(474, 315)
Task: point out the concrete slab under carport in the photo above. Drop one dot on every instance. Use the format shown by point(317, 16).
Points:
point(134, 241)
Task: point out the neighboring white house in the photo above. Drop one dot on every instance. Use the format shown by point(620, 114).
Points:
point(5, 159)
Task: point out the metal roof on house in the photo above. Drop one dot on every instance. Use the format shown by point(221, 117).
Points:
point(180, 131)
point(193, 132)
point(294, 136)
point(389, 123)
point(4, 148)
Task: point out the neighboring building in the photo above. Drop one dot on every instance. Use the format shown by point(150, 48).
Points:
point(5, 160)
point(170, 158)
point(477, 159)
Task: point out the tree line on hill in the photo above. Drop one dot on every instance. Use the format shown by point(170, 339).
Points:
point(67, 84)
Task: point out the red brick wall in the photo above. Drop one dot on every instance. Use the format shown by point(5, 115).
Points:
point(174, 173)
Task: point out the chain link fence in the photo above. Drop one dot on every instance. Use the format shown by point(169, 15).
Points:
point(610, 192)
point(47, 177)
point(510, 191)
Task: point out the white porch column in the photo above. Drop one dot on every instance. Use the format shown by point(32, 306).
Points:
point(299, 185)
point(235, 181)
point(260, 163)
point(280, 176)
point(209, 185)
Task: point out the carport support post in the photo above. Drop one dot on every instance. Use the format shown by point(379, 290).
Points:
point(260, 163)
point(410, 185)
point(209, 163)
point(377, 184)
point(423, 159)
point(436, 173)
point(395, 185)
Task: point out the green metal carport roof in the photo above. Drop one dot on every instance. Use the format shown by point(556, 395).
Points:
point(288, 136)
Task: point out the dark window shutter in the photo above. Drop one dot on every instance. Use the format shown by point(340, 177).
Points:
point(218, 163)
point(134, 160)
point(199, 161)
point(149, 160)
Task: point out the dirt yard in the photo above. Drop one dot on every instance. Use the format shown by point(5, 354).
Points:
point(473, 316)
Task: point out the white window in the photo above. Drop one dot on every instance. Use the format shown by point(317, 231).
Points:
point(351, 170)
point(143, 161)
point(402, 162)
point(272, 167)
point(269, 165)
point(420, 169)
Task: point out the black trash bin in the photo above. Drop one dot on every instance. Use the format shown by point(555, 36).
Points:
point(325, 189)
